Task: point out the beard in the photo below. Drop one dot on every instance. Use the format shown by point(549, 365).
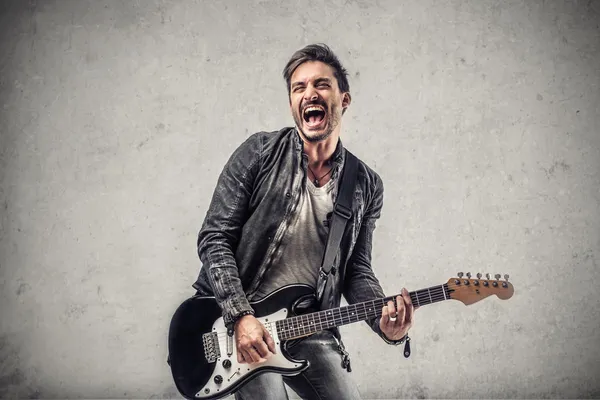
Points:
point(333, 120)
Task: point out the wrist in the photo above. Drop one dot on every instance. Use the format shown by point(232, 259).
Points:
point(392, 341)
point(241, 315)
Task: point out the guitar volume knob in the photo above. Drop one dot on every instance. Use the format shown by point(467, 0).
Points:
point(226, 363)
point(218, 379)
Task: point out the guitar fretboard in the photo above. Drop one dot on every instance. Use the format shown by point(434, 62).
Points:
point(308, 324)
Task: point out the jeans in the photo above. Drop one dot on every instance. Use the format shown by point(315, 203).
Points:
point(324, 379)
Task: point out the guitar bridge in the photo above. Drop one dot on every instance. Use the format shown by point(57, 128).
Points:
point(211, 347)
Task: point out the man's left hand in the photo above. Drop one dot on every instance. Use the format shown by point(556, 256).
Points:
point(395, 323)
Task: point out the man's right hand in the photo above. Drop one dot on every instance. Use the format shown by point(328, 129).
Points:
point(253, 341)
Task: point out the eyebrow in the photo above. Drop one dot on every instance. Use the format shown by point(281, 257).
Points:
point(318, 80)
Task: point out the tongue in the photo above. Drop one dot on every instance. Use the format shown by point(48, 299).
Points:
point(313, 119)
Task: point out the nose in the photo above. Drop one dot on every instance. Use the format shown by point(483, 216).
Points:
point(310, 94)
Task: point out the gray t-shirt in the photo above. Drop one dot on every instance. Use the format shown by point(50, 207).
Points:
point(299, 256)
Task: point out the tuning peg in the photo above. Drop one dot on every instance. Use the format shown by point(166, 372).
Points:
point(469, 275)
point(487, 276)
point(506, 277)
point(460, 274)
point(497, 276)
point(478, 275)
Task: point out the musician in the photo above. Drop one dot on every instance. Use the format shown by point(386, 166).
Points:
point(267, 227)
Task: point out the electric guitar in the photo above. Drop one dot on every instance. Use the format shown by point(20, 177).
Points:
point(202, 355)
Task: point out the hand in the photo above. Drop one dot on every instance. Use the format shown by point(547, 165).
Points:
point(254, 343)
point(395, 323)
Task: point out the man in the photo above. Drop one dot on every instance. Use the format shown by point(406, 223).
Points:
point(267, 227)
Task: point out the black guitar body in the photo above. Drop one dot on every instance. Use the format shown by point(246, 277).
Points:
point(203, 359)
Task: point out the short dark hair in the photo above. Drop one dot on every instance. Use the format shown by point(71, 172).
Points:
point(317, 52)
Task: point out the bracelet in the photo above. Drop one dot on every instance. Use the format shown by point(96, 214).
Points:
point(242, 314)
point(394, 342)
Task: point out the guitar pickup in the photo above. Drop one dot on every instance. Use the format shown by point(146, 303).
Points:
point(212, 350)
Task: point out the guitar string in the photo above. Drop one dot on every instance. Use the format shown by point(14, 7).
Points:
point(287, 325)
point(339, 318)
point(414, 295)
point(356, 316)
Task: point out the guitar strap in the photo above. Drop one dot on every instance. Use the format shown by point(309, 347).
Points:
point(342, 211)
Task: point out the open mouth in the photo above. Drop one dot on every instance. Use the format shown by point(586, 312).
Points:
point(314, 116)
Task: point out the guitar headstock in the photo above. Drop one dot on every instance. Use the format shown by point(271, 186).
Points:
point(470, 291)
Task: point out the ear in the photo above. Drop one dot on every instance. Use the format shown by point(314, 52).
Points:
point(346, 100)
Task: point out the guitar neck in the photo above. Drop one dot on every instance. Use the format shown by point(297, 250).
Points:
point(307, 324)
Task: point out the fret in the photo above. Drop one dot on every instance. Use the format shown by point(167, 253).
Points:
point(417, 298)
point(319, 324)
point(420, 300)
point(345, 311)
point(310, 322)
point(363, 311)
point(337, 315)
point(369, 307)
point(329, 319)
point(353, 313)
point(298, 325)
point(440, 295)
point(307, 324)
point(303, 324)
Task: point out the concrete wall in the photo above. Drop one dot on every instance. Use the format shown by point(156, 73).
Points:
point(482, 117)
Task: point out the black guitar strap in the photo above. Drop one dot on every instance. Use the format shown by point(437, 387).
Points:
point(342, 211)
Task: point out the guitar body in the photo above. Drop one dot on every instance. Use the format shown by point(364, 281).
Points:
point(203, 358)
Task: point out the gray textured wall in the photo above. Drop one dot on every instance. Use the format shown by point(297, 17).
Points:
point(482, 117)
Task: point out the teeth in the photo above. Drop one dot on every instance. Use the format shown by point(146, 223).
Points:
point(312, 108)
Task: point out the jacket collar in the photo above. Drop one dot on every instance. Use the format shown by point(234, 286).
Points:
point(337, 157)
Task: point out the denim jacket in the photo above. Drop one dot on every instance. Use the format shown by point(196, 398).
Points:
point(253, 203)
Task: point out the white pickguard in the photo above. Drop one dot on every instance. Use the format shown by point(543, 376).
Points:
point(238, 371)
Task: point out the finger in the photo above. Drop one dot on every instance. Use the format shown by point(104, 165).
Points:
point(391, 309)
point(401, 309)
point(244, 357)
point(261, 347)
point(254, 355)
point(240, 355)
point(406, 298)
point(243, 345)
point(409, 307)
point(385, 316)
point(269, 340)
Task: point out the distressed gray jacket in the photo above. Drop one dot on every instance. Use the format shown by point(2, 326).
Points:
point(253, 203)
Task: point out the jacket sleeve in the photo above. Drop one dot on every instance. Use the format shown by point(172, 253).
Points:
point(360, 283)
point(220, 233)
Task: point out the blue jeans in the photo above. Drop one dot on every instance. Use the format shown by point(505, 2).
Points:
point(324, 379)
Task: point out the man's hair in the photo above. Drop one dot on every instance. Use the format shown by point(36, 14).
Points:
point(317, 52)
